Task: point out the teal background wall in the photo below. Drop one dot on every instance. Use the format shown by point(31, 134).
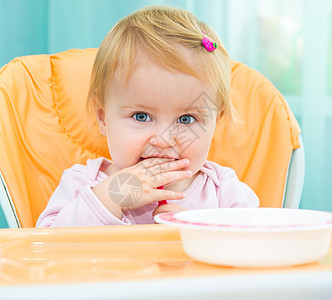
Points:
point(290, 42)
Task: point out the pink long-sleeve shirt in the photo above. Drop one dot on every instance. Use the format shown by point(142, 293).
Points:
point(73, 203)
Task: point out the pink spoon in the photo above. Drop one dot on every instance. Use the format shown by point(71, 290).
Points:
point(162, 202)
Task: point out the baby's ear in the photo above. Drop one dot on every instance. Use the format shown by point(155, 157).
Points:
point(219, 115)
point(100, 116)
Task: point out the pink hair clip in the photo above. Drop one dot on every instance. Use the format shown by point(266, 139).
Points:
point(208, 44)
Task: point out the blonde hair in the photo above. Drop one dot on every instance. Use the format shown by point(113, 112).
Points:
point(158, 31)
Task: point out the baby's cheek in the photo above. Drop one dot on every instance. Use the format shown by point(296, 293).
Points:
point(197, 159)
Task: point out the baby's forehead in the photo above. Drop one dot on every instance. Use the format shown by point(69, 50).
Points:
point(151, 79)
point(147, 79)
point(142, 62)
point(127, 63)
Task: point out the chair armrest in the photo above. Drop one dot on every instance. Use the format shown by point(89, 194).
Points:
point(295, 178)
point(7, 205)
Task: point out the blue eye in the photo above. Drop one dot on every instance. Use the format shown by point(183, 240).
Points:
point(141, 117)
point(186, 119)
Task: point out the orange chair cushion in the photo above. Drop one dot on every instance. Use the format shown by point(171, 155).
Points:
point(45, 129)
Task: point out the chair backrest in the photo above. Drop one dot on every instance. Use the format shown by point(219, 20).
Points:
point(45, 129)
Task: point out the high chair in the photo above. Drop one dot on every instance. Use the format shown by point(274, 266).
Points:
point(45, 130)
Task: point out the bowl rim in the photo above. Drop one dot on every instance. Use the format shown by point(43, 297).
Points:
point(174, 219)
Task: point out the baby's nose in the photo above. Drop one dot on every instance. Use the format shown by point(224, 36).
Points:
point(163, 140)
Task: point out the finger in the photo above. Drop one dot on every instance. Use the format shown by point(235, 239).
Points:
point(168, 208)
point(169, 166)
point(168, 177)
point(160, 195)
point(154, 161)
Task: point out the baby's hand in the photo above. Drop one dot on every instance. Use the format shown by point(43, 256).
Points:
point(136, 186)
point(168, 208)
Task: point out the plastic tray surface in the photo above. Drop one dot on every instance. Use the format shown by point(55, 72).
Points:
point(107, 253)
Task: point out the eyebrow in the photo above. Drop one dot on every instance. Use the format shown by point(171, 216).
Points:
point(128, 106)
point(145, 107)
